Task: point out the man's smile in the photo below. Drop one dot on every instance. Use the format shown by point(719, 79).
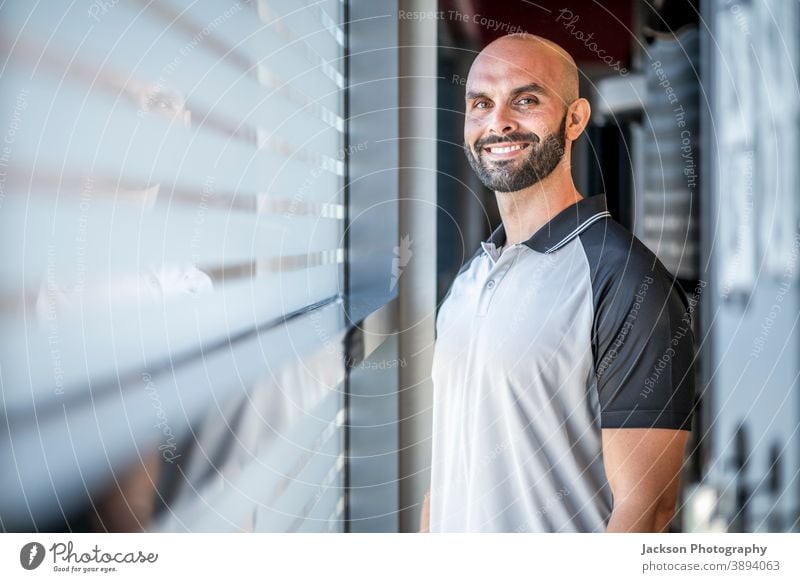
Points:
point(505, 150)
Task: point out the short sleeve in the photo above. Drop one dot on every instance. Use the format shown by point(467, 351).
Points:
point(642, 338)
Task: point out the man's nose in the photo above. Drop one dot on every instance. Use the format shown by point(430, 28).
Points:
point(502, 121)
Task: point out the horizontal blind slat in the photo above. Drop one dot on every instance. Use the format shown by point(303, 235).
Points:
point(87, 442)
point(44, 364)
point(138, 49)
point(173, 200)
point(308, 58)
point(328, 513)
point(100, 239)
point(265, 480)
point(314, 26)
point(105, 135)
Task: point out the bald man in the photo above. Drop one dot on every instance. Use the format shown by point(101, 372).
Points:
point(563, 368)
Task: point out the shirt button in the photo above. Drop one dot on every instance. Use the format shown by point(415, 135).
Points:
point(490, 284)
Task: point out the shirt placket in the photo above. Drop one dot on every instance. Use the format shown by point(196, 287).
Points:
point(499, 266)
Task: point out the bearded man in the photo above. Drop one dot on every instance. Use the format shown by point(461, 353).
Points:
point(563, 370)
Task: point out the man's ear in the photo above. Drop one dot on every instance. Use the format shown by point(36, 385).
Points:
point(578, 114)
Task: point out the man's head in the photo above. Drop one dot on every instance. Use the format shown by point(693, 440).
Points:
point(522, 108)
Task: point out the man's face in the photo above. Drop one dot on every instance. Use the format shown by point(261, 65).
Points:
point(532, 158)
point(514, 130)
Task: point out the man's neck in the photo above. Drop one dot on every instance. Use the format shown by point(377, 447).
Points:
point(526, 211)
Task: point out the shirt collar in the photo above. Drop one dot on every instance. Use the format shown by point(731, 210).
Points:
point(564, 226)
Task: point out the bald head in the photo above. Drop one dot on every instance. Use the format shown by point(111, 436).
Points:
point(530, 55)
point(522, 113)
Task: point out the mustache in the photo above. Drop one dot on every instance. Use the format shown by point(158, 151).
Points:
point(508, 138)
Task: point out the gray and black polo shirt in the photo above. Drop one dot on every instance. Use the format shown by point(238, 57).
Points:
point(540, 347)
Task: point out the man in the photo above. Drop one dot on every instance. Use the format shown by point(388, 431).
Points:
point(563, 369)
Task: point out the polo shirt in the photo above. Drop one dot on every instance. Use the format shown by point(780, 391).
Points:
point(538, 348)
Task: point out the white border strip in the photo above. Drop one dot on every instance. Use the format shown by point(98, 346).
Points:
point(589, 221)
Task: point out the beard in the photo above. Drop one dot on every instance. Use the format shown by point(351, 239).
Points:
point(542, 157)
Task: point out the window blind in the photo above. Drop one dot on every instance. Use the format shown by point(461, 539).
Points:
point(171, 301)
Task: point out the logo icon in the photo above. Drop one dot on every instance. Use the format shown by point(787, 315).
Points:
point(31, 555)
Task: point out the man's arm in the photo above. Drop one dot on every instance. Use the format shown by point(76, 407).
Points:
point(643, 466)
point(425, 516)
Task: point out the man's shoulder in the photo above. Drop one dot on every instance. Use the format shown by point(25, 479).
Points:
point(623, 269)
point(615, 253)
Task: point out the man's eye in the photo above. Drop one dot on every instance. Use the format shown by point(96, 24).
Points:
point(527, 101)
point(482, 105)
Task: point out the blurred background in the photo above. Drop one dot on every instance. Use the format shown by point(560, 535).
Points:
point(227, 227)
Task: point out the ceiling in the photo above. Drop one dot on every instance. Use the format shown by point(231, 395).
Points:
point(585, 28)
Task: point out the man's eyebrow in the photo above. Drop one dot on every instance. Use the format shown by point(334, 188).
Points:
point(529, 88)
point(475, 94)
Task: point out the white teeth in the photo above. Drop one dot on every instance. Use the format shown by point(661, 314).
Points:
point(505, 150)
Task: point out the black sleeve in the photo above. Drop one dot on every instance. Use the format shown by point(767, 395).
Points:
point(642, 338)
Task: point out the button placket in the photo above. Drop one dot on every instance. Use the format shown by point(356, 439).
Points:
point(494, 277)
